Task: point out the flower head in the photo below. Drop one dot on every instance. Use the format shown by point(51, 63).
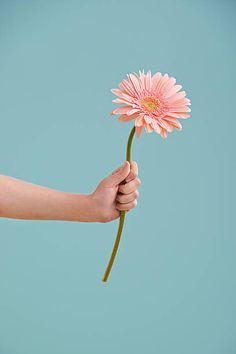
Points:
point(155, 102)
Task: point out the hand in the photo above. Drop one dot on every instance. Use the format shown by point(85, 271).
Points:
point(117, 192)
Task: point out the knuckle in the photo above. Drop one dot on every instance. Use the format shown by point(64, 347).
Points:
point(138, 181)
point(118, 206)
point(124, 199)
point(121, 188)
point(118, 198)
point(130, 199)
point(125, 189)
point(136, 193)
point(116, 171)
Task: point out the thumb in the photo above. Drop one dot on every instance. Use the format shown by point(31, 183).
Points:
point(118, 175)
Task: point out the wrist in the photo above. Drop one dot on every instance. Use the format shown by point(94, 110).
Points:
point(95, 209)
point(80, 207)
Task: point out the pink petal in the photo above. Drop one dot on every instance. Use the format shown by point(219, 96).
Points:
point(148, 119)
point(155, 81)
point(135, 110)
point(138, 131)
point(162, 82)
point(179, 109)
point(178, 115)
point(174, 122)
point(176, 96)
point(168, 85)
point(173, 91)
point(122, 110)
point(139, 121)
point(125, 118)
point(148, 81)
point(149, 128)
point(122, 101)
point(163, 133)
point(135, 82)
point(116, 92)
point(181, 102)
point(163, 124)
point(142, 80)
point(126, 87)
point(156, 127)
point(125, 96)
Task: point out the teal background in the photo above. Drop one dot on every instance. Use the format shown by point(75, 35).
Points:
point(172, 289)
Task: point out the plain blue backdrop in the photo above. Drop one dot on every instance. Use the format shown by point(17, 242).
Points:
point(172, 289)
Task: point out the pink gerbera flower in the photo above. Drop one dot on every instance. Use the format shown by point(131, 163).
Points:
point(155, 102)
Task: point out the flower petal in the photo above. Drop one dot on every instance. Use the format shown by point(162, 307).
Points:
point(164, 125)
point(138, 131)
point(178, 115)
point(148, 82)
point(182, 102)
point(162, 82)
point(135, 110)
point(125, 118)
point(163, 133)
point(148, 128)
point(173, 91)
point(176, 96)
point(142, 80)
point(179, 109)
point(174, 122)
point(139, 121)
point(122, 110)
point(148, 119)
point(126, 87)
point(167, 86)
point(156, 126)
point(116, 91)
point(155, 81)
point(122, 101)
point(135, 82)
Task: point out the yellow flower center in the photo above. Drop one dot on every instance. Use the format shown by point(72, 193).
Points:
point(150, 103)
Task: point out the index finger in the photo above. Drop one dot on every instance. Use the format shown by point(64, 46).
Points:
point(133, 171)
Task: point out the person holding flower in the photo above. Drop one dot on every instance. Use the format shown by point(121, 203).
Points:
point(153, 102)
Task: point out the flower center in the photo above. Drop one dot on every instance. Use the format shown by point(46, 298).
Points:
point(152, 106)
point(150, 103)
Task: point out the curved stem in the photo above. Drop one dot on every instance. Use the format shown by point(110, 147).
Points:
point(122, 215)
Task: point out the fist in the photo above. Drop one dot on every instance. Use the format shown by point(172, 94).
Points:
point(127, 193)
point(117, 192)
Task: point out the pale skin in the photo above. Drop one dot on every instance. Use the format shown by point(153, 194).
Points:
point(116, 192)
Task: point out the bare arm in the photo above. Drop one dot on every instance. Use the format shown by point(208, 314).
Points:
point(23, 200)
point(116, 192)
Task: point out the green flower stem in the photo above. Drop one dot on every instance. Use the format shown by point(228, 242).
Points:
point(122, 215)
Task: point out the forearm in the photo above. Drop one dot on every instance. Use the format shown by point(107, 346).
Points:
point(23, 200)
